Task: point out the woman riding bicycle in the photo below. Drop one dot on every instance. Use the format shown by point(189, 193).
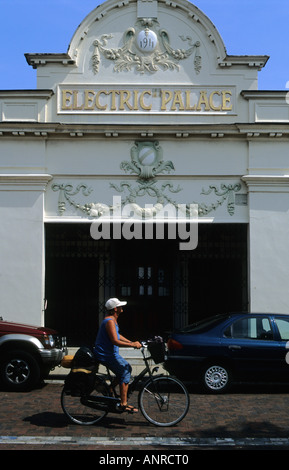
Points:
point(107, 345)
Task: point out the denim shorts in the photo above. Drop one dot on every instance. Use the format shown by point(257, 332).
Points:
point(120, 367)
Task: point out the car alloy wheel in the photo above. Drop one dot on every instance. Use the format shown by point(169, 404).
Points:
point(216, 378)
point(17, 371)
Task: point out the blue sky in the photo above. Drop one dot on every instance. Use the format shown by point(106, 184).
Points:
point(246, 26)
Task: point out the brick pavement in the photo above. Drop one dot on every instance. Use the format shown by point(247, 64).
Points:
point(244, 413)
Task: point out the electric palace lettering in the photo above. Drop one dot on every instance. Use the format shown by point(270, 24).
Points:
point(112, 100)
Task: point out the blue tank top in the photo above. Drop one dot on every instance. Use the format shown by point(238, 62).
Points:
point(103, 346)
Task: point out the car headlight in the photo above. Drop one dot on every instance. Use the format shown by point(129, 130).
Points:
point(49, 341)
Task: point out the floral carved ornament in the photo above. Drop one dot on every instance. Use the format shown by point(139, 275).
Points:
point(146, 49)
point(146, 163)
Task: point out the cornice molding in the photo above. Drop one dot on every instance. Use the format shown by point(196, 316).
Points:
point(24, 182)
point(38, 59)
point(55, 130)
point(264, 94)
point(267, 183)
point(253, 61)
point(26, 94)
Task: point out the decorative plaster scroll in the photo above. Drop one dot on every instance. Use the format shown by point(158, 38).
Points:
point(227, 192)
point(66, 192)
point(146, 49)
point(146, 162)
point(98, 209)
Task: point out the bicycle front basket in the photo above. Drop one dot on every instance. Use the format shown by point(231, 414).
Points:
point(157, 351)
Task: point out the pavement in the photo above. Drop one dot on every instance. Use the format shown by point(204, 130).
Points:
point(247, 418)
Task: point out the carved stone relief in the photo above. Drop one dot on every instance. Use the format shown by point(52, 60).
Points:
point(146, 162)
point(146, 48)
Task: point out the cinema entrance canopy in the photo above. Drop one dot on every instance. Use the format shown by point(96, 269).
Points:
point(145, 111)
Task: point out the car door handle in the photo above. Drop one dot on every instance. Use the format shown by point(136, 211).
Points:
point(234, 346)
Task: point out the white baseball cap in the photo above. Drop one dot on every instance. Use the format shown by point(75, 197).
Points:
point(113, 303)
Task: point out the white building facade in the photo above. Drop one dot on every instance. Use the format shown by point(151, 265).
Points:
point(145, 114)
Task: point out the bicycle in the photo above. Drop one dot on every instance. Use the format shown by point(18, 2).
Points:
point(163, 399)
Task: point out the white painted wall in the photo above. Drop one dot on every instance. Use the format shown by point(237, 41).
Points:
point(22, 247)
point(269, 243)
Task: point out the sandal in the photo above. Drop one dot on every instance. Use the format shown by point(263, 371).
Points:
point(128, 408)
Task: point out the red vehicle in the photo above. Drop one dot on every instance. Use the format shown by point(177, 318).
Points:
point(27, 354)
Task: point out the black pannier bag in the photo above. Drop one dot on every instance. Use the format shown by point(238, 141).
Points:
point(79, 383)
point(80, 380)
point(84, 358)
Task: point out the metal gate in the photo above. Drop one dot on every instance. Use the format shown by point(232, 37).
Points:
point(165, 288)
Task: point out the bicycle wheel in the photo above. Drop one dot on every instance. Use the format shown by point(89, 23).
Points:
point(82, 414)
point(164, 401)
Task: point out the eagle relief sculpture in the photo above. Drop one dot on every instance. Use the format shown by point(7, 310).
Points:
point(145, 48)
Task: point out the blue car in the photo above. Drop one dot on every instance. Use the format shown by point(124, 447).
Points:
point(230, 348)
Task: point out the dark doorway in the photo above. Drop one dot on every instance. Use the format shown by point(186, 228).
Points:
point(144, 277)
point(165, 287)
point(71, 282)
point(217, 271)
point(72, 298)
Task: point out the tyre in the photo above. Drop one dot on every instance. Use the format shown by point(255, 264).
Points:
point(79, 413)
point(216, 378)
point(164, 401)
point(19, 371)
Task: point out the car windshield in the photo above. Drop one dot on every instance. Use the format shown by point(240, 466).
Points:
point(202, 325)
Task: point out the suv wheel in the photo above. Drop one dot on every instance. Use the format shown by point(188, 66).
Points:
point(19, 371)
point(216, 378)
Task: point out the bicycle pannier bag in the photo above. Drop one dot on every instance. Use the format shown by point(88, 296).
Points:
point(79, 383)
point(84, 358)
